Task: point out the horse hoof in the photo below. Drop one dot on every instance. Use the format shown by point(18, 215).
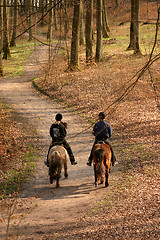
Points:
point(106, 185)
point(66, 175)
point(96, 184)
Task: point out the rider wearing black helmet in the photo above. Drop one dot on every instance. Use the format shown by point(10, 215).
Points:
point(102, 132)
point(58, 134)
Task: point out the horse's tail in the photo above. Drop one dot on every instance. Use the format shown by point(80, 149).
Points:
point(55, 165)
point(99, 154)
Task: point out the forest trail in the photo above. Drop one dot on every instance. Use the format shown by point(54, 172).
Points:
point(49, 208)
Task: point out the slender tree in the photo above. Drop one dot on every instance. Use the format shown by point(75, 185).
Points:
point(30, 20)
point(134, 27)
point(99, 31)
point(74, 59)
point(6, 49)
point(1, 40)
point(104, 20)
point(89, 30)
point(50, 25)
point(65, 17)
point(131, 44)
point(81, 26)
point(42, 11)
point(55, 18)
point(13, 39)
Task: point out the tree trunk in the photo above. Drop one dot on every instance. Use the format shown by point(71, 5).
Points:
point(81, 27)
point(30, 20)
point(50, 25)
point(65, 17)
point(99, 31)
point(104, 20)
point(6, 49)
point(1, 40)
point(42, 12)
point(134, 27)
point(131, 44)
point(89, 30)
point(55, 18)
point(13, 41)
point(74, 60)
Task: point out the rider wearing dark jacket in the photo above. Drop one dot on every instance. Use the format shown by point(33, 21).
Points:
point(58, 134)
point(102, 132)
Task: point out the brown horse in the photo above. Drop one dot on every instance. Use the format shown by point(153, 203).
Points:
point(101, 162)
point(57, 157)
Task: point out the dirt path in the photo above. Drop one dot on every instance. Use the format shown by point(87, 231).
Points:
point(52, 207)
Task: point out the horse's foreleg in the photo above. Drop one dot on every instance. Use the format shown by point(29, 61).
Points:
point(65, 169)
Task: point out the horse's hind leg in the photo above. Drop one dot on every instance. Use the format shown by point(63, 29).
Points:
point(65, 169)
point(102, 180)
point(51, 180)
point(102, 177)
point(57, 183)
point(95, 175)
point(106, 183)
point(107, 176)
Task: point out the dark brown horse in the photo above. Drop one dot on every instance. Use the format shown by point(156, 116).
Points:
point(101, 162)
point(58, 158)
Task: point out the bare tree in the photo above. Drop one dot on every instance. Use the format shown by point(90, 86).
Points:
point(6, 49)
point(104, 20)
point(74, 60)
point(81, 27)
point(89, 30)
point(99, 31)
point(15, 15)
point(1, 40)
point(134, 27)
point(50, 25)
point(30, 20)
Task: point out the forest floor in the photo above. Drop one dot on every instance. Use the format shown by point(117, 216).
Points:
point(129, 207)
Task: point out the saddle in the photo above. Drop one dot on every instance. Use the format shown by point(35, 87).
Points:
point(103, 141)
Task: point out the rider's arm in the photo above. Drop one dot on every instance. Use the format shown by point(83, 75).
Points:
point(62, 131)
point(109, 130)
point(51, 131)
point(94, 130)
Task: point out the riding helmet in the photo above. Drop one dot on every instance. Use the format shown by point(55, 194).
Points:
point(59, 117)
point(101, 115)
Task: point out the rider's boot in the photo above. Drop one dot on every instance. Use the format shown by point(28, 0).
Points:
point(73, 162)
point(89, 163)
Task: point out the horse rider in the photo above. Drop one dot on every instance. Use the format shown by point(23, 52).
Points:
point(58, 134)
point(102, 132)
